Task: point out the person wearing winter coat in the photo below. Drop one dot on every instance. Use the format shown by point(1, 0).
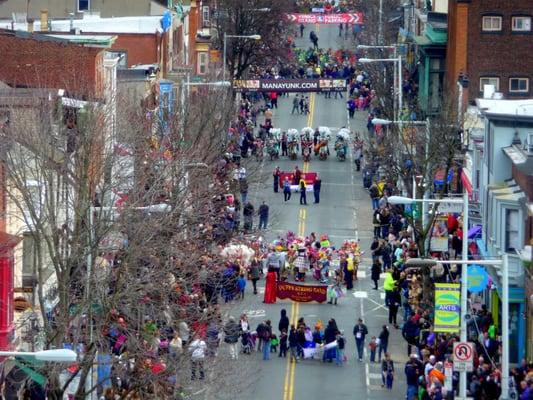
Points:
point(232, 332)
point(375, 273)
point(283, 321)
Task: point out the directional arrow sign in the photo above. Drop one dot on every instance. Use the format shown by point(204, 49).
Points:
point(344, 18)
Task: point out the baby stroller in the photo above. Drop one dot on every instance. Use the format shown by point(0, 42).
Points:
point(247, 342)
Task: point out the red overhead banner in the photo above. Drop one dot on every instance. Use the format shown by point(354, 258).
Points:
point(302, 293)
point(345, 18)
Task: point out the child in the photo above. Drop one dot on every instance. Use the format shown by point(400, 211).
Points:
point(293, 344)
point(274, 341)
point(339, 359)
point(373, 346)
point(283, 343)
point(241, 285)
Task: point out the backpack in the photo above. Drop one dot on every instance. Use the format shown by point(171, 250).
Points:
point(374, 191)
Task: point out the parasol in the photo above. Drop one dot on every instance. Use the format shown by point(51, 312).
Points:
point(344, 133)
point(308, 131)
point(324, 131)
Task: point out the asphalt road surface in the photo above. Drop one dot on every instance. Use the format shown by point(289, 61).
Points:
point(344, 213)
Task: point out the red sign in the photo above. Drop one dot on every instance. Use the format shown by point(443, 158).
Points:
point(345, 18)
point(309, 178)
point(302, 293)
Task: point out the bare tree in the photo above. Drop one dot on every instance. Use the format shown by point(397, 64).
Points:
point(125, 272)
point(252, 17)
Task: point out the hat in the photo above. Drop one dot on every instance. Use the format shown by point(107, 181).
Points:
point(413, 355)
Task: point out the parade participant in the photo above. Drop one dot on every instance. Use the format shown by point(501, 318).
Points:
point(372, 346)
point(286, 189)
point(383, 341)
point(297, 175)
point(360, 331)
point(341, 342)
point(283, 338)
point(330, 334)
point(254, 271)
point(231, 337)
point(347, 269)
point(376, 272)
point(296, 105)
point(387, 372)
point(241, 286)
point(284, 146)
point(317, 185)
point(303, 192)
point(276, 174)
point(266, 339)
point(197, 349)
point(293, 344)
point(263, 216)
point(248, 214)
point(270, 287)
point(283, 321)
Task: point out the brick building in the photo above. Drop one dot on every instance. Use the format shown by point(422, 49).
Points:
point(37, 61)
point(490, 42)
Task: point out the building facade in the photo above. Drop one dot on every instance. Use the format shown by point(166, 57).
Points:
point(481, 34)
point(63, 8)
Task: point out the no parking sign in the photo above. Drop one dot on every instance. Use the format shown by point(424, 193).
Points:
point(463, 356)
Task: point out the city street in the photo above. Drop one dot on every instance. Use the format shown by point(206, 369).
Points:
point(344, 213)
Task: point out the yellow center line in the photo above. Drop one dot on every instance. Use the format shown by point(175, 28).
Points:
point(288, 387)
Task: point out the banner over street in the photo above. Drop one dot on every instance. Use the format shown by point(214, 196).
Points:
point(289, 85)
point(344, 18)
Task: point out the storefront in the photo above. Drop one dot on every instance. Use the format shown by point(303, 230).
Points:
point(7, 326)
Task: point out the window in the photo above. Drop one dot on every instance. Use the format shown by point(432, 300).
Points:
point(492, 23)
point(512, 241)
point(29, 259)
point(489, 80)
point(519, 85)
point(84, 5)
point(203, 60)
point(521, 24)
point(205, 16)
point(122, 57)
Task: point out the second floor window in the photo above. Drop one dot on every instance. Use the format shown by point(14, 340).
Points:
point(84, 5)
point(521, 24)
point(519, 85)
point(489, 80)
point(492, 23)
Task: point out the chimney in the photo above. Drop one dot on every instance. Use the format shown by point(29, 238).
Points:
point(44, 20)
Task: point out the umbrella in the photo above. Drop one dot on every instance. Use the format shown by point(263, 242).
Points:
point(308, 130)
point(344, 133)
point(324, 131)
point(292, 132)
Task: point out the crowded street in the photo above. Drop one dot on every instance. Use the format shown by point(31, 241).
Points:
point(267, 200)
point(344, 213)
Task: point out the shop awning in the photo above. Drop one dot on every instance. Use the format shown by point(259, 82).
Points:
point(8, 242)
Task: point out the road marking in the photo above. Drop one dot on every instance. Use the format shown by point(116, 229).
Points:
point(255, 313)
point(377, 304)
point(382, 295)
point(360, 295)
point(361, 274)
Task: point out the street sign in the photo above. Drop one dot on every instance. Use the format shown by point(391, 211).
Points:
point(289, 85)
point(344, 18)
point(463, 356)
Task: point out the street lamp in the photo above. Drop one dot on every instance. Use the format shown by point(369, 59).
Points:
point(253, 37)
point(464, 288)
point(399, 89)
point(55, 355)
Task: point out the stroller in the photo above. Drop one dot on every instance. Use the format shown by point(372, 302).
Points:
point(247, 342)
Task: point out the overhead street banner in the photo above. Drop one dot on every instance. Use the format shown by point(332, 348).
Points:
point(302, 293)
point(344, 18)
point(289, 85)
point(447, 307)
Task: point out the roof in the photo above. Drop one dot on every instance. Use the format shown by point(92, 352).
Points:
point(92, 40)
point(96, 24)
point(505, 109)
